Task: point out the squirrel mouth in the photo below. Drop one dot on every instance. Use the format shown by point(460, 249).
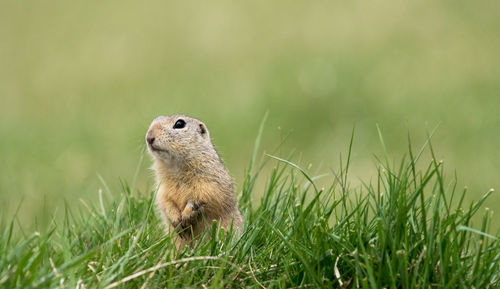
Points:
point(157, 149)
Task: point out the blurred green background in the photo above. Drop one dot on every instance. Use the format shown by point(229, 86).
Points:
point(81, 81)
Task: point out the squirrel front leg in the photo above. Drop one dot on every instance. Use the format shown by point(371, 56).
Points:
point(172, 213)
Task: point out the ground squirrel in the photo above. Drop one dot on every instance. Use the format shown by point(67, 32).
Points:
point(194, 187)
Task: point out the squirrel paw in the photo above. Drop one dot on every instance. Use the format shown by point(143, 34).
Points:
point(190, 213)
point(188, 218)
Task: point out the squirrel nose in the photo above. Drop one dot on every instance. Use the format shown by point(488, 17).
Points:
point(150, 139)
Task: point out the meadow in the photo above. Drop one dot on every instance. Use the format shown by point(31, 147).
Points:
point(79, 85)
point(404, 229)
point(81, 82)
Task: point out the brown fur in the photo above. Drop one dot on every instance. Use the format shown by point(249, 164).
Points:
point(194, 187)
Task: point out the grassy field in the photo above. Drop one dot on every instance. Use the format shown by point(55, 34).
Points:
point(405, 228)
point(80, 83)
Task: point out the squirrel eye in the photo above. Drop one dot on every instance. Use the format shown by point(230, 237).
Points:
point(179, 124)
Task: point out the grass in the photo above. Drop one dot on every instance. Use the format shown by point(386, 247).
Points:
point(406, 228)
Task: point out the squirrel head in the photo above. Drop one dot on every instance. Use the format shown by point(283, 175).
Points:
point(178, 139)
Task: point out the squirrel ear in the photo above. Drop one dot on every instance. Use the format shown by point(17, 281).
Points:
point(203, 130)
